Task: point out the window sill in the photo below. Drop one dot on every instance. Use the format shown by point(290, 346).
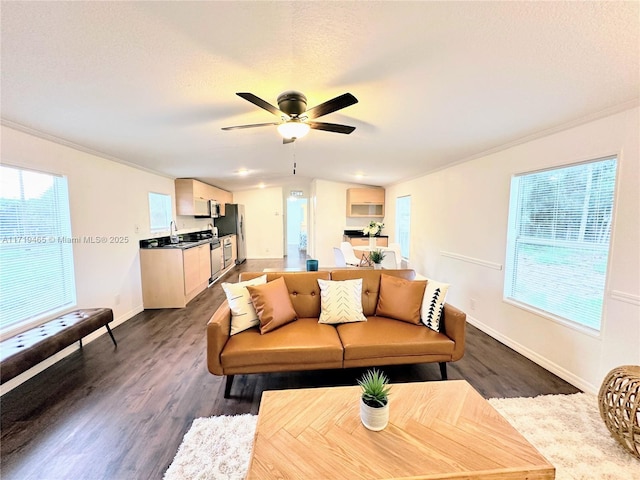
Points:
point(556, 319)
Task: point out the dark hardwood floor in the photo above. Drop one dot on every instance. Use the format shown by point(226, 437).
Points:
point(107, 413)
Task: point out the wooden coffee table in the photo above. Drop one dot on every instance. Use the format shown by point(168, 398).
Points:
point(436, 430)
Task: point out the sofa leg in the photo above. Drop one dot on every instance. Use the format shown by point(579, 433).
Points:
point(227, 386)
point(443, 370)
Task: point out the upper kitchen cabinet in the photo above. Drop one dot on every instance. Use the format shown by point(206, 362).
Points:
point(365, 202)
point(222, 197)
point(192, 197)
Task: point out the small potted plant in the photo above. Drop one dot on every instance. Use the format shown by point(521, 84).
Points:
point(374, 402)
point(376, 256)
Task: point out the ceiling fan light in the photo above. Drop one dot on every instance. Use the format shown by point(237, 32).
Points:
point(293, 129)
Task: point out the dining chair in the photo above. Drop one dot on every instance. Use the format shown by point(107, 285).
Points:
point(338, 257)
point(396, 249)
point(389, 260)
point(349, 254)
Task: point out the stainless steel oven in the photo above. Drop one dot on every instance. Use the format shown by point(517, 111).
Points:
point(227, 249)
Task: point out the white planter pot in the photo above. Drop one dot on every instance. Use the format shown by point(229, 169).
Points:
point(377, 266)
point(374, 418)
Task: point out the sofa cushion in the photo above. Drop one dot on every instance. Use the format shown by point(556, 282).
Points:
point(433, 303)
point(272, 304)
point(243, 314)
point(303, 289)
point(370, 283)
point(341, 301)
point(400, 299)
point(292, 346)
point(381, 337)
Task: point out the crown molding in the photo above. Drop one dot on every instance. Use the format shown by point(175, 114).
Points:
point(81, 148)
point(621, 107)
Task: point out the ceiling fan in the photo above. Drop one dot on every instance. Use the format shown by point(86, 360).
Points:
point(295, 117)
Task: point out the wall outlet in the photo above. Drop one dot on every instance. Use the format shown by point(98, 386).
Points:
point(117, 300)
point(136, 228)
point(472, 303)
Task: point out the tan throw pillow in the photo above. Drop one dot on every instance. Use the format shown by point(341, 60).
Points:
point(433, 303)
point(400, 299)
point(273, 304)
point(243, 315)
point(341, 301)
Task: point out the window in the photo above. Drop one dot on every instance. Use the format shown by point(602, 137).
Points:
point(159, 211)
point(403, 223)
point(36, 257)
point(558, 240)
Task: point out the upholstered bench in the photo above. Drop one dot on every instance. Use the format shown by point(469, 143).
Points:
point(21, 352)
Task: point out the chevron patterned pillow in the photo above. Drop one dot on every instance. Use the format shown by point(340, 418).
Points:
point(433, 303)
point(341, 301)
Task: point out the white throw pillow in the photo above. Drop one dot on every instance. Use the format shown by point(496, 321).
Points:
point(433, 303)
point(341, 301)
point(243, 314)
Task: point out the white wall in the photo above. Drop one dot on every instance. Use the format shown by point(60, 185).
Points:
point(106, 199)
point(463, 210)
point(328, 216)
point(264, 221)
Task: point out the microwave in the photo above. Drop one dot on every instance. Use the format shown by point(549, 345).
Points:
point(214, 208)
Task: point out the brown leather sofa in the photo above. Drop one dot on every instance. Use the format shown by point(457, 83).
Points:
point(307, 345)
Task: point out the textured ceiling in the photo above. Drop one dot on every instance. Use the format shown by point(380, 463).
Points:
point(152, 83)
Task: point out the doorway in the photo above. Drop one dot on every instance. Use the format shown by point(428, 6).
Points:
point(297, 228)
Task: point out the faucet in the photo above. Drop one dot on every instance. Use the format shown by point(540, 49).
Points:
point(173, 229)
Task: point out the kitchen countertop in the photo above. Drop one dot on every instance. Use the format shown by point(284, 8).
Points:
point(181, 245)
point(187, 240)
point(361, 235)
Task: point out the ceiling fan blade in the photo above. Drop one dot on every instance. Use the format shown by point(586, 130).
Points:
point(288, 140)
point(250, 97)
point(251, 126)
point(331, 127)
point(344, 100)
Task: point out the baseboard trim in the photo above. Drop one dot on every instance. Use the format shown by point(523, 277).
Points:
point(545, 363)
point(33, 371)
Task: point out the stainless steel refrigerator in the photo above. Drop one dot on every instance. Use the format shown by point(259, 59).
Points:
point(233, 223)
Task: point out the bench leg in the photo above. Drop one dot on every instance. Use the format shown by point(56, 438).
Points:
point(227, 386)
point(443, 370)
point(80, 343)
point(111, 334)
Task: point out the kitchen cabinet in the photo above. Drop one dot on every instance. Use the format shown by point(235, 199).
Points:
point(172, 277)
point(197, 269)
point(364, 241)
point(365, 202)
point(222, 197)
point(192, 197)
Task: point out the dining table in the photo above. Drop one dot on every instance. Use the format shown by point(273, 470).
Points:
point(365, 252)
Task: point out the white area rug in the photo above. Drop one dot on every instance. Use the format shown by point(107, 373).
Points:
point(566, 429)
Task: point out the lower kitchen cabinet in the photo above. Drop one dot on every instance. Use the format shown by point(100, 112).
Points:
point(172, 277)
point(364, 241)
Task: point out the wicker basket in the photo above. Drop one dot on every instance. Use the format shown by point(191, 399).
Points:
point(619, 401)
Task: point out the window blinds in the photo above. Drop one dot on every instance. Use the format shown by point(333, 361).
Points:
point(558, 242)
point(36, 257)
point(403, 224)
